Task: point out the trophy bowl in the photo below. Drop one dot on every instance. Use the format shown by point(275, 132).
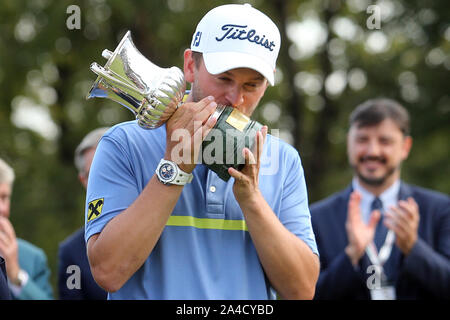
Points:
point(150, 92)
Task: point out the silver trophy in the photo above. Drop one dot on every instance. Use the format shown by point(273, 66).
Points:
point(153, 94)
point(150, 92)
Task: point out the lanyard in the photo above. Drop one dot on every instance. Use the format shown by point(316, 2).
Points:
point(379, 259)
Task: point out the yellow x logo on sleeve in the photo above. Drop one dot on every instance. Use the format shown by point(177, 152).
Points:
point(94, 209)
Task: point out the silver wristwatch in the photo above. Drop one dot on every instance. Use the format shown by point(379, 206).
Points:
point(169, 173)
point(22, 278)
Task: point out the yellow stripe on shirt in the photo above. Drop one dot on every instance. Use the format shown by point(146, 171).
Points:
point(205, 223)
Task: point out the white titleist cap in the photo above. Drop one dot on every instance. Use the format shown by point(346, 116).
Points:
point(237, 36)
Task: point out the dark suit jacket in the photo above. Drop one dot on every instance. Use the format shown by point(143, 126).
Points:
point(423, 274)
point(72, 251)
point(4, 290)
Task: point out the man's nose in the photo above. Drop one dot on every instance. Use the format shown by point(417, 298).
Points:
point(373, 148)
point(234, 96)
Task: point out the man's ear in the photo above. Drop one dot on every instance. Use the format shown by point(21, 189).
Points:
point(189, 66)
point(407, 144)
point(83, 180)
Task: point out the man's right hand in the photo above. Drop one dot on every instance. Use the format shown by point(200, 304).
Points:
point(186, 129)
point(359, 234)
point(9, 248)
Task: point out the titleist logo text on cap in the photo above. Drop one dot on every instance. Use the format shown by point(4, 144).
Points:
point(239, 32)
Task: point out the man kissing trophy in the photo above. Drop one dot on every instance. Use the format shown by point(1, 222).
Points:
point(153, 94)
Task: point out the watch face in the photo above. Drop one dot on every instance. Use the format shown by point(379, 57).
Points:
point(167, 171)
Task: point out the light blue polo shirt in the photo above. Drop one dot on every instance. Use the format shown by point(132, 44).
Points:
point(205, 251)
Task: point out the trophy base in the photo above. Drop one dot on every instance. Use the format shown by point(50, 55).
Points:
point(222, 147)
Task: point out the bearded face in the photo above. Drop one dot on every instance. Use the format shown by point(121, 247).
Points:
point(376, 152)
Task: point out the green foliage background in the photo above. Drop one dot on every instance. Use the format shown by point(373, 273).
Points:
point(44, 66)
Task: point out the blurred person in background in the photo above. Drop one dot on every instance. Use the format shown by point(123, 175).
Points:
point(26, 265)
point(72, 251)
point(380, 238)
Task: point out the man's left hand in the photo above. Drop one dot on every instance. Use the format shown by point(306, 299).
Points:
point(246, 185)
point(404, 221)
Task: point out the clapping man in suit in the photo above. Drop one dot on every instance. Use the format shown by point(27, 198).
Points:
point(381, 238)
point(26, 265)
point(72, 251)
